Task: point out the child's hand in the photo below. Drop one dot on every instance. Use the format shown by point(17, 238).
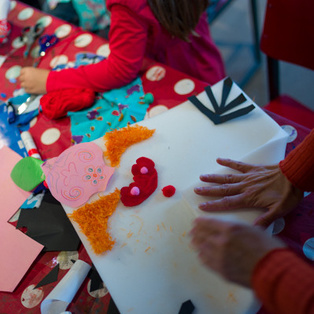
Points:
point(34, 80)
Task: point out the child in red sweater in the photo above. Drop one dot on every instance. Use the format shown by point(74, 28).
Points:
point(171, 32)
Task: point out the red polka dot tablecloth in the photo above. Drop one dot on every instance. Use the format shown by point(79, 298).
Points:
point(169, 88)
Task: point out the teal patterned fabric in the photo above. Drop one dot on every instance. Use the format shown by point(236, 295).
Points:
point(93, 14)
point(114, 109)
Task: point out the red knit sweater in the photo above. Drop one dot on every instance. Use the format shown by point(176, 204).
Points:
point(282, 281)
point(135, 34)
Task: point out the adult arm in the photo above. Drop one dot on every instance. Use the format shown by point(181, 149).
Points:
point(284, 283)
point(248, 256)
point(298, 166)
point(259, 186)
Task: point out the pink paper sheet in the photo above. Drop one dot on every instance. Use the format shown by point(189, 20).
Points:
point(18, 251)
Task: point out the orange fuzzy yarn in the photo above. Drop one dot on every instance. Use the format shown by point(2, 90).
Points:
point(118, 141)
point(93, 221)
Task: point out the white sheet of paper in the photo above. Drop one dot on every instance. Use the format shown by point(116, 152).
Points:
point(152, 267)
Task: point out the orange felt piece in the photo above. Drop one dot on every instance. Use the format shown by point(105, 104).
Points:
point(118, 141)
point(93, 221)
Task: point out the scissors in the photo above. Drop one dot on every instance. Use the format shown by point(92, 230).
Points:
point(45, 42)
point(29, 36)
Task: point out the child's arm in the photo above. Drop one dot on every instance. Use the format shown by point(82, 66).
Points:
point(34, 80)
point(128, 37)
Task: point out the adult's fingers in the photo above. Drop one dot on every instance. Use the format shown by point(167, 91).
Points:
point(222, 178)
point(236, 165)
point(220, 190)
point(225, 203)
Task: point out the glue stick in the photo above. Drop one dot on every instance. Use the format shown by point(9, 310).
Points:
point(30, 145)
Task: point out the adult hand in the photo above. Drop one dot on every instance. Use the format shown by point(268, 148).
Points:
point(231, 249)
point(34, 80)
point(255, 186)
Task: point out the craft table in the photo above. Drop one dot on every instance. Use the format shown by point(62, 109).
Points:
point(170, 88)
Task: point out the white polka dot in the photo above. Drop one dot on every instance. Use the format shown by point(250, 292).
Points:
point(17, 43)
point(103, 50)
point(31, 297)
point(50, 136)
point(61, 59)
point(308, 249)
point(33, 122)
point(156, 110)
point(12, 5)
point(63, 30)
point(13, 72)
point(67, 258)
point(156, 73)
point(45, 20)
point(99, 293)
point(279, 225)
point(184, 87)
point(83, 40)
point(25, 14)
point(292, 132)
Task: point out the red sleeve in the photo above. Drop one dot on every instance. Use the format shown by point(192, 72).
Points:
point(298, 166)
point(128, 37)
point(284, 283)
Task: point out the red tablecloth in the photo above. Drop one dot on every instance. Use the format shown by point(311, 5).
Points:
point(169, 88)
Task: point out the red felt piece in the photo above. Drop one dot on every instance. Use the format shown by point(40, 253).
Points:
point(146, 182)
point(56, 104)
point(168, 190)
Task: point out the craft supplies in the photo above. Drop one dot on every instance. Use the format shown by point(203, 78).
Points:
point(29, 36)
point(149, 98)
point(45, 43)
point(93, 221)
point(118, 141)
point(56, 104)
point(11, 112)
point(77, 173)
point(145, 181)
point(30, 145)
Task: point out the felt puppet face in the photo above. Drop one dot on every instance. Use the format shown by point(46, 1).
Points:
point(77, 173)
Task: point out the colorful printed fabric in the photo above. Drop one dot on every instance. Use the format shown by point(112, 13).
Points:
point(114, 109)
point(92, 14)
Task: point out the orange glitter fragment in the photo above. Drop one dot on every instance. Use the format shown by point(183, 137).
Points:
point(93, 221)
point(119, 140)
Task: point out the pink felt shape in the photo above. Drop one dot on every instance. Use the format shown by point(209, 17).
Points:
point(76, 174)
point(18, 251)
point(145, 183)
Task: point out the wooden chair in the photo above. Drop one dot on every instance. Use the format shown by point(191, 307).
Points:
point(288, 35)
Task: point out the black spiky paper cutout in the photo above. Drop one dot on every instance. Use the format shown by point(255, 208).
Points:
point(219, 116)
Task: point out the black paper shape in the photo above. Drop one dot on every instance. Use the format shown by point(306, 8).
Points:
point(51, 277)
point(187, 307)
point(112, 308)
point(218, 116)
point(49, 225)
point(96, 281)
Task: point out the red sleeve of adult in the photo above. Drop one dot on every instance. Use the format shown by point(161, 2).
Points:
point(128, 37)
point(284, 283)
point(298, 166)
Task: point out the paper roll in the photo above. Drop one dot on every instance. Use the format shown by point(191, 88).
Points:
point(61, 296)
